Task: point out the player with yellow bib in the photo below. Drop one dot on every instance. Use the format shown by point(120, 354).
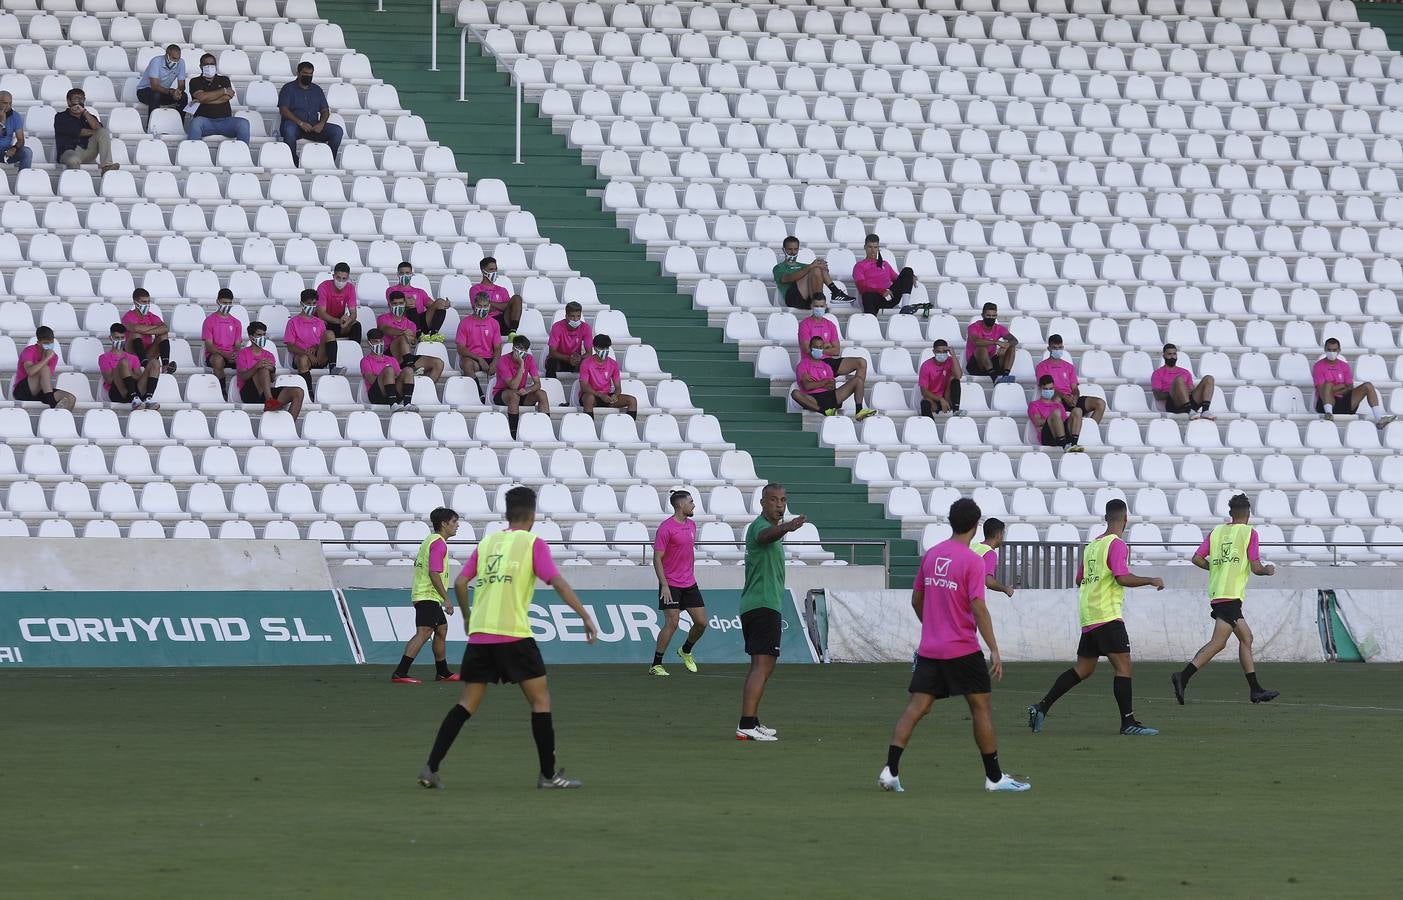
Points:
point(501, 650)
point(1103, 577)
point(1229, 553)
point(429, 595)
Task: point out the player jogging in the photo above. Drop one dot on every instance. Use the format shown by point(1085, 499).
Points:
point(674, 555)
point(500, 647)
point(1228, 553)
point(1104, 575)
point(988, 551)
point(760, 601)
point(948, 598)
point(432, 605)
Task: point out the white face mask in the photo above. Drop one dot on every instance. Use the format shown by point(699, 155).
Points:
point(1332, 355)
point(481, 312)
point(601, 354)
point(941, 357)
point(816, 352)
point(47, 345)
point(1047, 393)
point(790, 257)
point(118, 342)
point(340, 282)
point(489, 277)
point(397, 310)
point(817, 312)
point(260, 341)
point(171, 63)
point(309, 309)
point(574, 323)
point(143, 307)
point(519, 354)
point(207, 71)
point(377, 348)
point(225, 308)
point(405, 279)
point(1057, 354)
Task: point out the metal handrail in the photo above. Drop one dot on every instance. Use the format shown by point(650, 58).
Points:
point(849, 543)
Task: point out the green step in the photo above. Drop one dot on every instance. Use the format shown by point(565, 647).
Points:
point(565, 196)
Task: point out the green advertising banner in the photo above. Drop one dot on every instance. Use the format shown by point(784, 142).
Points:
point(628, 623)
point(197, 628)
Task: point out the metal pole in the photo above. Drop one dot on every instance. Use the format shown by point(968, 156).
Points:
point(463, 65)
point(433, 38)
point(380, 6)
point(518, 161)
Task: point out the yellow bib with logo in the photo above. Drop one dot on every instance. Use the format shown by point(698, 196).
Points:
point(1227, 561)
point(423, 587)
point(506, 582)
point(1102, 597)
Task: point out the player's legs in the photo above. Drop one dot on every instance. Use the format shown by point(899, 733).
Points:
point(587, 400)
point(291, 400)
point(542, 728)
point(1007, 359)
point(1203, 393)
point(1215, 645)
point(1120, 687)
point(1095, 408)
point(762, 667)
point(1179, 391)
point(665, 633)
point(468, 702)
point(1079, 672)
point(539, 398)
point(1365, 392)
point(694, 634)
point(440, 647)
point(852, 386)
point(979, 360)
point(1259, 694)
point(421, 636)
point(852, 365)
point(805, 400)
point(1074, 424)
point(916, 709)
point(981, 715)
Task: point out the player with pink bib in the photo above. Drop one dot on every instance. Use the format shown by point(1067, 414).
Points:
point(674, 560)
point(948, 599)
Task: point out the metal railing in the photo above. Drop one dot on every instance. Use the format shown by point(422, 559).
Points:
point(1053, 565)
point(852, 545)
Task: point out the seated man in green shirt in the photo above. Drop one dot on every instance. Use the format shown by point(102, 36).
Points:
point(800, 283)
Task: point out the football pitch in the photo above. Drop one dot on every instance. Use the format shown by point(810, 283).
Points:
point(300, 783)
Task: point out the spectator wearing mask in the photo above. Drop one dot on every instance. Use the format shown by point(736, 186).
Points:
point(124, 376)
point(215, 114)
point(148, 335)
point(799, 283)
point(336, 304)
point(479, 340)
point(818, 325)
point(221, 334)
point(309, 345)
point(255, 371)
point(385, 381)
point(1174, 386)
point(13, 151)
point(878, 284)
point(401, 336)
point(428, 314)
point(518, 381)
point(163, 82)
point(990, 348)
point(1064, 381)
point(506, 308)
point(819, 390)
point(36, 371)
point(601, 383)
point(569, 343)
point(1056, 426)
point(939, 382)
point(1336, 392)
point(305, 114)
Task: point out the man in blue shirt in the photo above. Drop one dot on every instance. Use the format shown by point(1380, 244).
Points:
point(163, 82)
point(12, 148)
point(305, 114)
point(79, 136)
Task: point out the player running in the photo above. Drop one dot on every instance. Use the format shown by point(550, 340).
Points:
point(1227, 553)
point(432, 605)
point(674, 555)
point(500, 647)
point(1104, 575)
point(988, 551)
point(760, 602)
point(948, 598)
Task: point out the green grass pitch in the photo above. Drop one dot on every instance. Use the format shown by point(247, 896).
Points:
point(300, 783)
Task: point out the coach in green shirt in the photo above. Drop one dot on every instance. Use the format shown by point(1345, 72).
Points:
point(760, 599)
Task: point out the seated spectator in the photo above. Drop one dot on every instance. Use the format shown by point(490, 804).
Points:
point(939, 382)
point(819, 390)
point(801, 284)
point(309, 345)
point(988, 551)
point(385, 381)
point(163, 82)
point(428, 314)
point(479, 340)
point(1064, 381)
point(1335, 390)
point(127, 380)
point(990, 348)
point(256, 370)
point(35, 373)
point(80, 137)
point(1056, 426)
point(518, 381)
point(402, 336)
point(215, 114)
point(336, 304)
point(13, 152)
point(878, 284)
point(305, 115)
point(506, 308)
point(600, 380)
point(148, 335)
point(569, 341)
point(818, 325)
point(1175, 387)
point(221, 333)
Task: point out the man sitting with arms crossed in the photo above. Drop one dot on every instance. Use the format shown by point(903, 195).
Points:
point(1336, 392)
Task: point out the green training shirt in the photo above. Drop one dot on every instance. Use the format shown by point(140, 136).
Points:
point(764, 570)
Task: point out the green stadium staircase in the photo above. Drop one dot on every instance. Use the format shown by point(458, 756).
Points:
point(565, 196)
point(1388, 17)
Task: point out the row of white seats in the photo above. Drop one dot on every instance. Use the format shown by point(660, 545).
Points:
point(261, 10)
point(292, 37)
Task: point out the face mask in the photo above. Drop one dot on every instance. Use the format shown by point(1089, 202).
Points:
point(396, 311)
point(47, 345)
point(790, 257)
point(574, 323)
point(260, 341)
point(309, 310)
point(489, 277)
point(817, 312)
point(224, 308)
point(481, 311)
point(377, 348)
point(601, 354)
point(304, 79)
point(1047, 393)
point(1332, 355)
point(405, 279)
point(941, 357)
point(990, 320)
point(816, 352)
point(1057, 354)
point(171, 63)
point(207, 71)
point(340, 282)
point(143, 307)
point(519, 354)
point(117, 343)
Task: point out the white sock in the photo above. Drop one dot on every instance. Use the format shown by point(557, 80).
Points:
point(1329, 409)
point(1377, 414)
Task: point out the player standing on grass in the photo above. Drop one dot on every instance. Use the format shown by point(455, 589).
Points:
point(761, 599)
point(674, 559)
point(432, 605)
point(948, 598)
point(1104, 575)
point(1228, 553)
point(500, 647)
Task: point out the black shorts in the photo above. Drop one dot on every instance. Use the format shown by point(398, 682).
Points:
point(429, 614)
point(22, 392)
point(951, 677)
point(761, 629)
point(1343, 405)
point(509, 663)
point(833, 362)
point(973, 367)
point(375, 393)
point(249, 393)
point(1080, 404)
point(682, 598)
point(794, 299)
point(1177, 408)
point(826, 400)
point(116, 397)
point(227, 357)
point(555, 366)
point(1048, 438)
point(1229, 611)
point(1103, 640)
